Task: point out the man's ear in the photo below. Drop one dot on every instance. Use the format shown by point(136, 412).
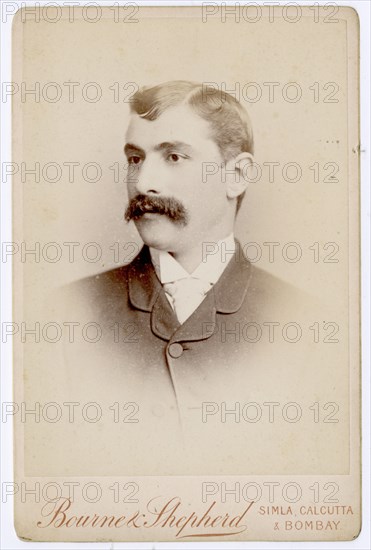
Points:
point(237, 170)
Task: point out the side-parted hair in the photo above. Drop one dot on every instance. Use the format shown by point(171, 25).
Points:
point(230, 124)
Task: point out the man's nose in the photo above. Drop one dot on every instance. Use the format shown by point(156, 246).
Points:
point(149, 177)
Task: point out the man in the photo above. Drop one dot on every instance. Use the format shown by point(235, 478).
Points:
point(191, 290)
point(190, 321)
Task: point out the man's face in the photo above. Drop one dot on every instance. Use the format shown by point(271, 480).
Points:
point(167, 158)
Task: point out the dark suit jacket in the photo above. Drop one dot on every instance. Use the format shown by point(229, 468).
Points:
point(209, 356)
point(201, 388)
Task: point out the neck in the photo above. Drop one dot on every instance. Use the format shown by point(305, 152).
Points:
point(192, 257)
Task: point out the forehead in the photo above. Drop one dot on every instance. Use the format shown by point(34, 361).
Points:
point(179, 124)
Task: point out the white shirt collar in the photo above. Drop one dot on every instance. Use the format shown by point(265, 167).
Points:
point(168, 269)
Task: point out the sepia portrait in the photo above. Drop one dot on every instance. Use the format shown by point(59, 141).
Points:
point(186, 270)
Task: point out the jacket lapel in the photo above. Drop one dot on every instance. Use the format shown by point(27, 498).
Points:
point(146, 293)
point(226, 296)
point(231, 289)
point(143, 283)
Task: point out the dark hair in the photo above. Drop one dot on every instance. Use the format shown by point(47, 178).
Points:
point(229, 121)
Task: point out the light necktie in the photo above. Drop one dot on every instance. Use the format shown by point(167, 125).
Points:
point(186, 295)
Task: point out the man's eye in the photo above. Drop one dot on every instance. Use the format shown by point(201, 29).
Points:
point(174, 157)
point(134, 159)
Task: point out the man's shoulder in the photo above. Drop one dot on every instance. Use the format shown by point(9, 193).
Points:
point(104, 294)
point(113, 280)
point(268, 294)
point(265, 291)
point(262, 282)
point(102, 286)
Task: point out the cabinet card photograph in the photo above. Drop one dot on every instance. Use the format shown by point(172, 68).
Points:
point(185, 251)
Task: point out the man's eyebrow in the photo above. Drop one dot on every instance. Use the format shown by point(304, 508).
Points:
point(130, 148)
point(170, 145)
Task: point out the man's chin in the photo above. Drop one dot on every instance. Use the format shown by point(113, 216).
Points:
point(157, 231)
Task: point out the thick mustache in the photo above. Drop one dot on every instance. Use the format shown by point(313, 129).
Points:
point(167, 206)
